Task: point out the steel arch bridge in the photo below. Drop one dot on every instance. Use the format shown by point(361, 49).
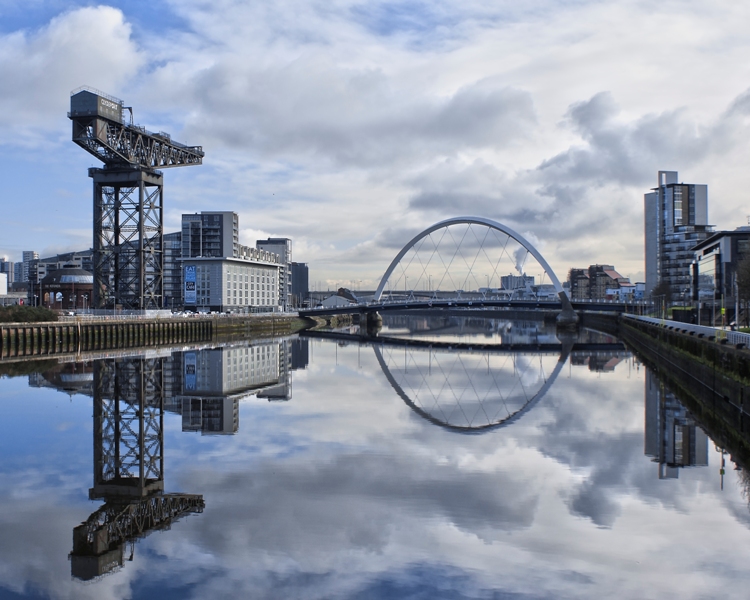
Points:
point(486, 249)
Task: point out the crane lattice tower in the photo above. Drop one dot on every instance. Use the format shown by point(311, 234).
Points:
point(128, 198)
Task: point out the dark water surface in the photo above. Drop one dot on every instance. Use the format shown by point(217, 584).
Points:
point(323, 468)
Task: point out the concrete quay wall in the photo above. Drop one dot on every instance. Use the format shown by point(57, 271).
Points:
point(20, 340)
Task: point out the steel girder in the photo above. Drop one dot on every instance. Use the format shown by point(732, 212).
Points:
point(118, 143)
point(128, 428)
point(98, 541)
point(128, 238)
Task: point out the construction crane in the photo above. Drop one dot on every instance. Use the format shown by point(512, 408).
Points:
point(128, 198)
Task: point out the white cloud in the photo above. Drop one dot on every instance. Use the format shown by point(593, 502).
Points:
point(39, 69)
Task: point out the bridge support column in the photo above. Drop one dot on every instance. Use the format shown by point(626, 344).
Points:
point(370, 322)
point(567, 319)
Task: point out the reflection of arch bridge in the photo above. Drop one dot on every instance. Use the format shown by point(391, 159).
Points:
point(473, 387)
point(467, 262)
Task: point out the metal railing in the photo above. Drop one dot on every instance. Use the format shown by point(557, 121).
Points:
point(732, 337)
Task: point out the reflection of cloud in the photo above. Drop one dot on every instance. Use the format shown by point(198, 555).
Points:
point(351, 500)
point(595, 503)
point(343, 493)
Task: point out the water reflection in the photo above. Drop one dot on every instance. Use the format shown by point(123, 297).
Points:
point(672, 437)
point(470, 374)
point(129, 400)
point(347, 491)
point(128, 466)
point(212, 381)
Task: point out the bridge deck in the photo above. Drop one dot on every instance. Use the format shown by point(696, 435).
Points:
point(473, 303)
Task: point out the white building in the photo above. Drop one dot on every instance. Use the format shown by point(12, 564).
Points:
point(248, 283)
point(282, 247)
point(220, 274)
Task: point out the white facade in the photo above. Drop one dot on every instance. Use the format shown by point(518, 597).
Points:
point(243, 284)
point(282, 247)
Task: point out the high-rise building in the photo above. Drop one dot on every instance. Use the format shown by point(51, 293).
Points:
point(211, 234)
point(676, 219)
point(282, 247)
point(6, 267)
point(300, 284)
point(172, 270)
point(27, 257)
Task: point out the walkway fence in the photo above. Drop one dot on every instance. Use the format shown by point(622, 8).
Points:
point(732, 337)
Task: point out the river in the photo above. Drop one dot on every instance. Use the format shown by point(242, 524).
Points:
point(459, 458)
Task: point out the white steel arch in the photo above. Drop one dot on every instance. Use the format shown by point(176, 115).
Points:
point(475, 221)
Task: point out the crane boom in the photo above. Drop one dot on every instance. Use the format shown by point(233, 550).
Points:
point(100, 129)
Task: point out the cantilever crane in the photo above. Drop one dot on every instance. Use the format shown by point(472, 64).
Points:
point(128, 198)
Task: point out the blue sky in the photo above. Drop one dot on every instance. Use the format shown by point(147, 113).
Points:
point(351, 126)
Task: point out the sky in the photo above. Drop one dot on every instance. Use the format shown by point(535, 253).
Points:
point(349, 127)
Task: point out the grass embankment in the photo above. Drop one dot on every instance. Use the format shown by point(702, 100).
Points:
point(26, 314)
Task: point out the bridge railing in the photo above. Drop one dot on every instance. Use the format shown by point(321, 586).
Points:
point(732, 337)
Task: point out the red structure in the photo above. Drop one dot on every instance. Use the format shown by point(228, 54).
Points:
point(69, 288)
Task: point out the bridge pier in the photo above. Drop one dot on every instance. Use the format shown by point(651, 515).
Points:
point(370, 322)
point(567, 319)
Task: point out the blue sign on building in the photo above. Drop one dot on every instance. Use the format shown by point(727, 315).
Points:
point(190, 295)
point(190, 368)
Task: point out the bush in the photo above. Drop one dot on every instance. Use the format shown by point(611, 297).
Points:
point(26, 314)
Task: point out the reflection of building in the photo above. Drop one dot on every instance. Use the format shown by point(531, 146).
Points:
point(676, 219)
point(211, 415)
point(598, 362)
point(71, 378)
point(671, 436)
point(216, 379)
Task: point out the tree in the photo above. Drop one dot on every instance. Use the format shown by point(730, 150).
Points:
point(661, 295)
point(661, 290)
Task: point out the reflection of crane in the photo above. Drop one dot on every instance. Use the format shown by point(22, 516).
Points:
point(128, 198)
point(128, 466)
point(99, 542)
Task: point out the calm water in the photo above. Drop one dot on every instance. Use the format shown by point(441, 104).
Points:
point(323, 468)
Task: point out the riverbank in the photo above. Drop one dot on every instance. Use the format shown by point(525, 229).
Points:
point(710, 376)
point(82, 334)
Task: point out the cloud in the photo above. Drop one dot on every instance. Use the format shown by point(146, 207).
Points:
point(313, 112)
point(39, 68)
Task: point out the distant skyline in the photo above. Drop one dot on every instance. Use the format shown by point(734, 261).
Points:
point(351, 126)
